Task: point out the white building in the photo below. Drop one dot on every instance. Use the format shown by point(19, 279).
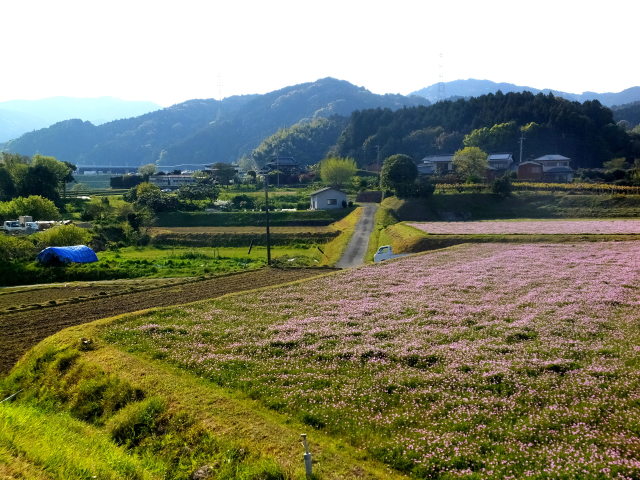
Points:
point(328, 198)
point(172, 181)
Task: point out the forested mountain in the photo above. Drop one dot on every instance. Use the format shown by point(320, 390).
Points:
point(475, 88)
point(308, 141)
point(21, 116)
point(584, 132)
point(201, 131)
point(629, 113)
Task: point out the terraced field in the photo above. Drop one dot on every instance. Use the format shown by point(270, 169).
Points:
point(550, 227)
point(20, 330)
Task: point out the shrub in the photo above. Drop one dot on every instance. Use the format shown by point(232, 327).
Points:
point(15, 248)
point(136, 421)
point(61, 236)
point(502, 186)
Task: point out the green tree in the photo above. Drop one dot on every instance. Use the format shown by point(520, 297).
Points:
point(500, 137)
point(145, 171)
point(336, 171)
point(63, 171)
point(398, 174)
point(38, 207)
point(7, 186)
point(223, 173)
point(471, 163)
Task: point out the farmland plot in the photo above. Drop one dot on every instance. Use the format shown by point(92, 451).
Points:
point(479, 361)
point(534, 227)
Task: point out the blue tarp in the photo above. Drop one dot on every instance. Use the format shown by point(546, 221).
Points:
point(60, 255)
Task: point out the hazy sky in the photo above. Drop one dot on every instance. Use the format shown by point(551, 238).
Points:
point(171, 51)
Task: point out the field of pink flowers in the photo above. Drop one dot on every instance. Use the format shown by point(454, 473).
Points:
point(536, 227)
point(479, 361)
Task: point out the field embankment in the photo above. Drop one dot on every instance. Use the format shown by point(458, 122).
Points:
point(240, 219)
point(238, 236)
point(486, 206)
point(61, 307)
point(484, 361)
point(411, 237)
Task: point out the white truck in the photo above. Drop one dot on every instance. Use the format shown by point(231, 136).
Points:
point(23, 224)
point(386, 253)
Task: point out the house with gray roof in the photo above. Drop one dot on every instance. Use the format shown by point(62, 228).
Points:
point(328, 198)
point(555, 168)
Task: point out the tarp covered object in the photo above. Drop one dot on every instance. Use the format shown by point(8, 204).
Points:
point(60, 255)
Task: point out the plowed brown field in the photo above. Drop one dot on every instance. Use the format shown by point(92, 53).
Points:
point(21, 330)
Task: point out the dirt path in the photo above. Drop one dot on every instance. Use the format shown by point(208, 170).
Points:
point(357, 248)
point(22, 330)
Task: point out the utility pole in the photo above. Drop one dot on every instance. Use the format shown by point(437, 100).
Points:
point(521, 142)
point(266, 207)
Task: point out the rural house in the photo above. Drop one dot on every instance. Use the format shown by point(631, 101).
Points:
point(327, 199)
point(530, 171)
point(555, 168)
point(498, 164)
point(436, 164)
point(548, 168)
point(285, 165)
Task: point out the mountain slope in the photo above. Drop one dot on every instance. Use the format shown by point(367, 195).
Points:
point(475, 88)
point(20, 116)
point(200, 132)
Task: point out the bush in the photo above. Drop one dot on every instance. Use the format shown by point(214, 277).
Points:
point(502, 186)
point(63, 235)
point(15, 248)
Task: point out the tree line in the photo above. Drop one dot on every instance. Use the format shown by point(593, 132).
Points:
point(45, 176)
point(585, 132)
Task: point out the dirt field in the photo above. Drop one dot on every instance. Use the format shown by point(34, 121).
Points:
point(232, 230)
point(21, 330)
point(13, 299)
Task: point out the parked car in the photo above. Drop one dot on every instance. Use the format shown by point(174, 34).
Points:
point(386, 253)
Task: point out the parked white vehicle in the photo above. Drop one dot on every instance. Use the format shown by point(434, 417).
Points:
point(386, 253)
point(12, 226)
point(20, 226)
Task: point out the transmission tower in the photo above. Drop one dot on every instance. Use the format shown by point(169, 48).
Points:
point(441, 88)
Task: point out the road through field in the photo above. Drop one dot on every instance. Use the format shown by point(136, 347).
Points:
point(22, 330)
point(357, 248)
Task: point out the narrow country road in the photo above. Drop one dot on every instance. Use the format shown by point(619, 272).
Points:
point(357, 248)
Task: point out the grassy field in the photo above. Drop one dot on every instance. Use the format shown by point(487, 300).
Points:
point(478, 361)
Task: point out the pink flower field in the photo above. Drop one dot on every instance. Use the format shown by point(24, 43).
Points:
point(478, 361)
point(536, 227)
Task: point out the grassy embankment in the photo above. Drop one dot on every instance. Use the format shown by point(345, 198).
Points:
point(126, 417)
point(479, 206)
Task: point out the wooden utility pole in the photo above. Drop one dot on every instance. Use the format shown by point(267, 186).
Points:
point(266, 209)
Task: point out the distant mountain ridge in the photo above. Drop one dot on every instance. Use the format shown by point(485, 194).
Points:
point(201, 131)
point(21, 116)
point(475, 88)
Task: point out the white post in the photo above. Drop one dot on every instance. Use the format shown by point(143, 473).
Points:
point(308, 467)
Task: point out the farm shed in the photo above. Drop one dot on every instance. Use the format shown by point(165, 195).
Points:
point(327, 199)
point(64, 255)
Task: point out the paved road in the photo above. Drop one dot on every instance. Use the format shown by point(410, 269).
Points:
point(357, 248)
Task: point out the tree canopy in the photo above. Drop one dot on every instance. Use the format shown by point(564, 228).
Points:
point(584, 132)
point(39, 175)
point(470, 163)
point(337, 171)
point(398, 175)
